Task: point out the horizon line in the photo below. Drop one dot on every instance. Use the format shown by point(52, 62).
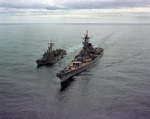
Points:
point(83, 23)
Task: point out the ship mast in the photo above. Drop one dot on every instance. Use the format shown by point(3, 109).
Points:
point(86, 39)
point(50, 48)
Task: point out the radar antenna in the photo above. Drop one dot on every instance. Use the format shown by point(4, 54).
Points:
point(86, 38)
point(50, 48)
point(87, 32)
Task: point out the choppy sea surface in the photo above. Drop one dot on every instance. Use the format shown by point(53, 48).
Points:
point(116, 87)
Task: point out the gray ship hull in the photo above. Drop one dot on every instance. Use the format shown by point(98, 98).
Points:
point(67, 75)
point(41, 62)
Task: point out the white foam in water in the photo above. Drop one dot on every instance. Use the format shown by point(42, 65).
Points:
point(74, 48)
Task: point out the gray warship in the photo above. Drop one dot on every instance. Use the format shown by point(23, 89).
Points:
point(86, 58)
point(51, 56)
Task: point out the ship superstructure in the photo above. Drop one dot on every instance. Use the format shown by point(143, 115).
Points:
point(50, 56)
point(86, 57)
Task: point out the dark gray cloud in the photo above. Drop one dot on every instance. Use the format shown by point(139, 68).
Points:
point(26, 5)
point(90, 4)
point(109, 4)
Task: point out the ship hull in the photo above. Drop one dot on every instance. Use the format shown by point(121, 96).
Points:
point(41, 62)
point(64, 77)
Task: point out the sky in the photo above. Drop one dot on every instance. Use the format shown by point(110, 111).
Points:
point(75, 11)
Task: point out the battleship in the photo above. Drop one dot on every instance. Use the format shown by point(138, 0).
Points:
point(85, 59)
point(51, 56)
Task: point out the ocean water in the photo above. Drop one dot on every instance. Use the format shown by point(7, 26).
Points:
point(116, 87)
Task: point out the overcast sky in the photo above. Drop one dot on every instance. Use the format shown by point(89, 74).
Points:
point(74, 11)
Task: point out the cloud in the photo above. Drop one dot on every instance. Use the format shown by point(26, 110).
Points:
point(116, 4)
point(76, 4)
point(29, 5)
point(96, 11)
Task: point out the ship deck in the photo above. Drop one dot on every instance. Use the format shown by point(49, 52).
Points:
point(71, 67)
